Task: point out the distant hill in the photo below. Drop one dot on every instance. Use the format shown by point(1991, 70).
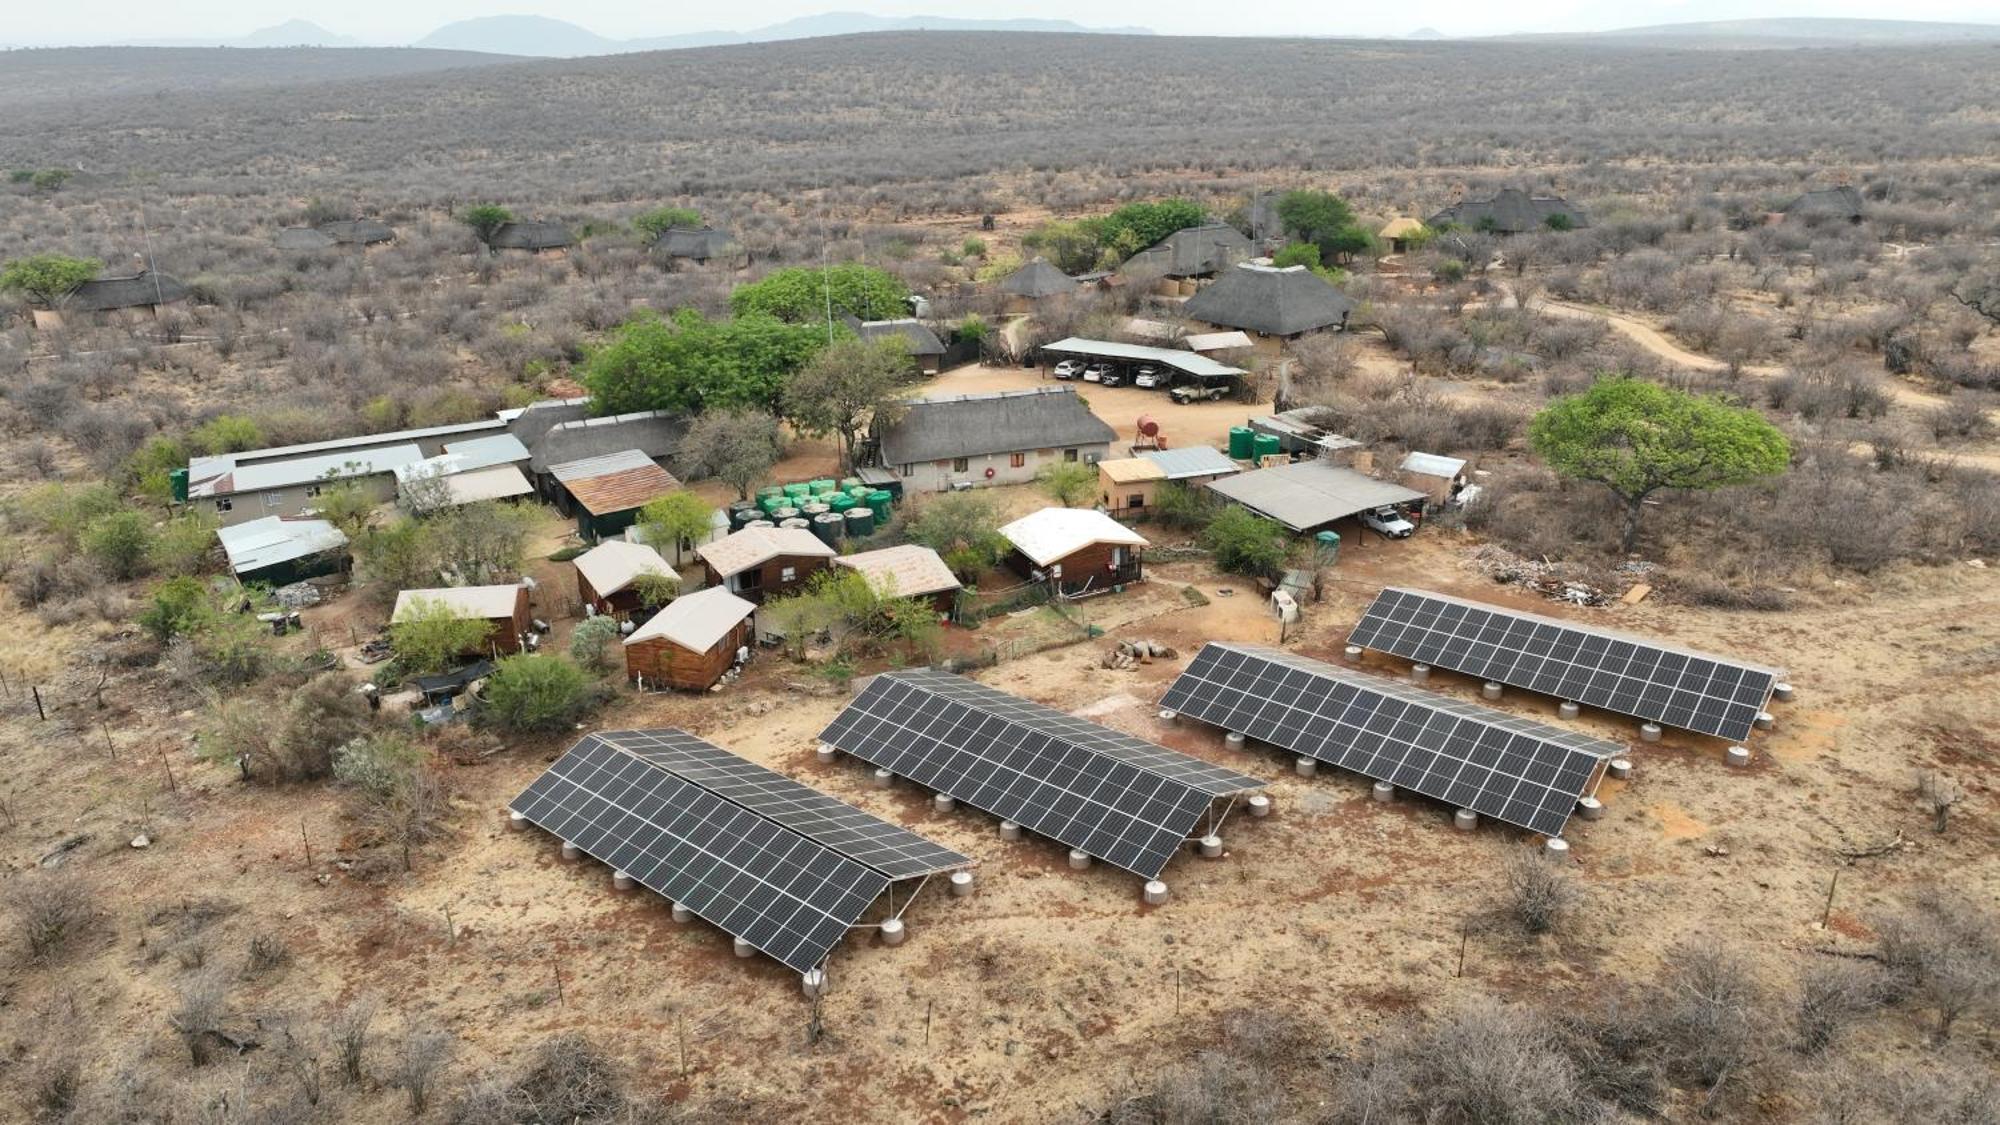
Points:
point(291, 33)
point(1769, 34)
point(44, 74)
point(553, 38)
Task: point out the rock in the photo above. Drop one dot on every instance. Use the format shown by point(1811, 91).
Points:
point(323, 879)
point(142, 841)
point(1978, 563)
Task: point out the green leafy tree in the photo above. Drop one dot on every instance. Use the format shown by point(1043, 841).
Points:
point(179, 605)
point(1325, 220)
point(847, 387)
point(379, 763)
point(1637, 438)
point(183, 544)
point(852, 614)
point(690, 364)
point(348, 506)
point(486, 219)
point(149, 471)
point(1139, 225)
point(65, 511)
point(661, 219)
point(738, 447)
point(656, 590)
point(1247, 544)
point(537, 692)
point(431, 636)
point(1297, 254)
point(399, 556)
point(481, 544)
point(50, 180)
point(120, 542)
point(590, 642)
point(1559, 221)
point(227, 433)
point(963, 528)
point(973, 248)
point(801, 294)
point(1070, 246)
point(675, 519)
point(1069, 483)
point(45, 279)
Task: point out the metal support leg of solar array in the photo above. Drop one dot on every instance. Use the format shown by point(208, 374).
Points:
point(1103, 794)
point(782, 868)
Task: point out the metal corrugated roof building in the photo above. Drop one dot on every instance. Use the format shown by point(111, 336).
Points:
point(1054, 534)
point(263, 544)
point(1308, 495)
point(615, 482)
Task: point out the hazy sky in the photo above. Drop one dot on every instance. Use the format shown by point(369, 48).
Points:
point(396, 21)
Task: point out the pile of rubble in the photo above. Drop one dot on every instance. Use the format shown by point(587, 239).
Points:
point(1128, 653)
point(1554, 581)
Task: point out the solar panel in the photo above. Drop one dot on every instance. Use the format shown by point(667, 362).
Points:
point(1499, 765)
point(1109, 795)
point(1675, 687)
point(789, 896)
point(896, 852)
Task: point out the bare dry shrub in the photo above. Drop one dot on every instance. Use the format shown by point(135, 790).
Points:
point(267, 953)
point(347, 1032)
point(1832, 997)
point(1483, 1064)
point(1943, 956)
point(1615, 1049)
point(1710, 1018)
point(198, 1016)
point(1540, 891)
point(570, 1080)
point(1963, 418)
point(52, 910)
point(425, 1051)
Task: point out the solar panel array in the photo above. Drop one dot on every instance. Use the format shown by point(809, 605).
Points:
point(896, 852)
point(786, 893)
point(1676, 687)
point(1112, 796)
point(1499, 765)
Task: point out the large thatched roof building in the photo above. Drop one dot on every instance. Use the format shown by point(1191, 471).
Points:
point(1271, 301)
point(1512, 211)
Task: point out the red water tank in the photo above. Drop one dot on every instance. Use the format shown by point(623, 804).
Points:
point(1148, 427)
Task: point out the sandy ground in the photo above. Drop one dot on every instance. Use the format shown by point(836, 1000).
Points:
point(1200, 423)
point(1034, 999)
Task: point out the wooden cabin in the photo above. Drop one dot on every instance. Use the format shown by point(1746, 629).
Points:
point(692, 642)
point(907, 571)
point(758, 562)
point(504, 608)
point(607, 575)
point(1081, 550)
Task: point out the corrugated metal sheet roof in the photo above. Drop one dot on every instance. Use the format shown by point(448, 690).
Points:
point(1054, 534)
point(615, 482)
point(487, 602)
point(1310, 494)
point(276, 539)
point(1433, 465)
point(1188, 362)
point(495, 482)
point(616, 563)
point(905, 571)
point(1217, 341)
point(753, 546)
point(479, 452)
point(305, 470)
point(696, 621)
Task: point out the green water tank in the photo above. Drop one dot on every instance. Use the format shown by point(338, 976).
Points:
point(769, 490)
point(773, 503)
point(824, 486)
point(1266, 445)
point(850, 485)
point(880, 501)
point(798, 491)
point(1240, 442)
point(179, 479)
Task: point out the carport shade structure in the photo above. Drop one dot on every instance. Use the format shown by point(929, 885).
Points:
point(1308, 495)
point(782, 866)
point(1185, 362)
point(1128, 802)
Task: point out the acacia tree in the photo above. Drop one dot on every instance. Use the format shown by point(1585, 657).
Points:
point(1325, 220)
point(46, 279)
point(486, 219)
point(661, 219)
point(675, 519)
point(735, 446)
point(1637, 438)
point(1069, 483)
point(847, 387)
point(804, 295)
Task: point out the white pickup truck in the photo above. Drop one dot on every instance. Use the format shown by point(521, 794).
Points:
point(1390, 522)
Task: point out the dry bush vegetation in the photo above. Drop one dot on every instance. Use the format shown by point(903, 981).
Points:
point(243, 986)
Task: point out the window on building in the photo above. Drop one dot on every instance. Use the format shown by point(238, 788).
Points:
point(1069, 454)
point(1136, 500)
point(273, 500)
point(788, 574)
point(909, 470)
point(225, 504)
point(749, 580)
point(1016, 460)
point(314, 490)
point(961, 464)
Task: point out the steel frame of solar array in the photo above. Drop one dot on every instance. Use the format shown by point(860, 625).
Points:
point(1117, 798)
point(1503, 766)
point(779, 864)
point(1676, 687)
